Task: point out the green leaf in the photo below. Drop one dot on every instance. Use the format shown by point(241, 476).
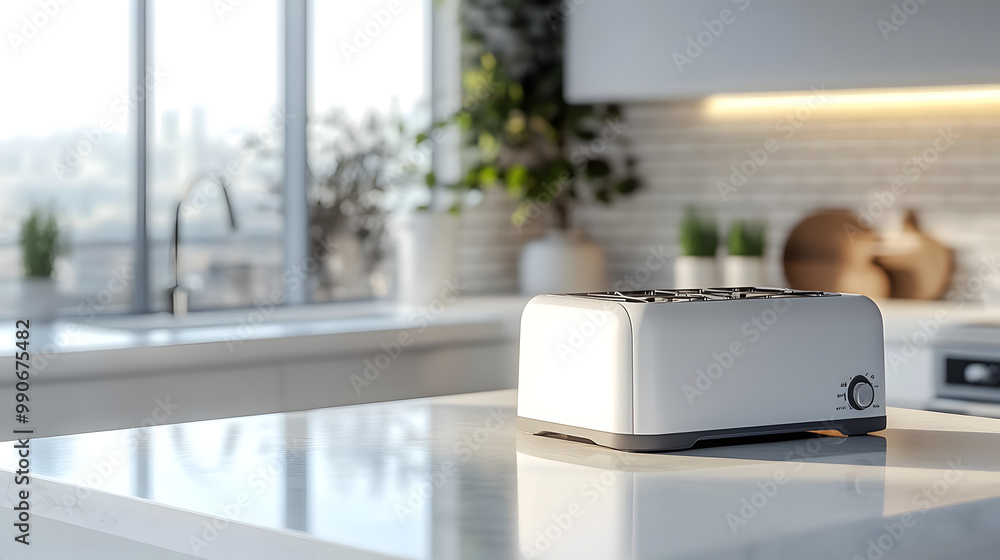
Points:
point(471, 178)
point(516, 176)
point(597, 168)
point(515, 91)
point(515, 123)
point(487, 143)
point(488, 176)
point(528, 115)
point(627, 186)
point(41, 242)
point(421, 138)
point(430, 179)
point(488, 61)
point(747, 238)
point(520, 215)
point(699, 235)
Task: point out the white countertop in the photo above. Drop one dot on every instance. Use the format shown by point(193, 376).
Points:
point(450, 477)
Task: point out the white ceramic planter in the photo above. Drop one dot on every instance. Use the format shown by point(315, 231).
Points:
point(696, 272)
point(562, 261)
point(741, 271)
point(426, 243)
point(38, 300)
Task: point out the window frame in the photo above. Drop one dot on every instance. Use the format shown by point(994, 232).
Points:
point(293, 31)
point(294, 27)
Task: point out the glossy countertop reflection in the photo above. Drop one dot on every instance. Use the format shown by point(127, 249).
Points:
point(450, 477)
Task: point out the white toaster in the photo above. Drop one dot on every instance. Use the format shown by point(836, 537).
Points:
point(658, 370)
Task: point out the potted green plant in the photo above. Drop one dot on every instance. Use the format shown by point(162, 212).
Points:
point(41, 242)
point(744, 265)
point(521, 135)
point(357, 163)
point(699, 239)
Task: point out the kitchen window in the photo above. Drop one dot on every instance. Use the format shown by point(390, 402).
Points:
point(195, 94)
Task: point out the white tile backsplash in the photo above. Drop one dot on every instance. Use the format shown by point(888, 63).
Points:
point(837, 159)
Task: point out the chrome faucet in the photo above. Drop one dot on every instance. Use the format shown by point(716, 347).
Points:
point(178, 296)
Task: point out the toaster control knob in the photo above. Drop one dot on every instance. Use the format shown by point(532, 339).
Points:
point(860, 393)
point(976, 373)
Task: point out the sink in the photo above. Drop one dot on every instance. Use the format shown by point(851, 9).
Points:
point(158, 329)
point(355, 313)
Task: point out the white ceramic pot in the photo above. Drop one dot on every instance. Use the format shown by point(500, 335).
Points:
point(426, 243)
point(347, 265)
point(696, 272)
point(562, 261)
point(38, 300)
point(741, 271)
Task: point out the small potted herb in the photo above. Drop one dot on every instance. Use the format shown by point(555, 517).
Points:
point(41, 242)
point(699, 238)
point(744, 264)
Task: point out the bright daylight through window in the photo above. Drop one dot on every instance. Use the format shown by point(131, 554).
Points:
point(214, 84)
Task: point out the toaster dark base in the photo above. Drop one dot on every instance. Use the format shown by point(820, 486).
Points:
point(685, 440)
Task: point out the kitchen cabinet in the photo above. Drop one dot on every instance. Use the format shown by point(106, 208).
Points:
point(626, 50)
